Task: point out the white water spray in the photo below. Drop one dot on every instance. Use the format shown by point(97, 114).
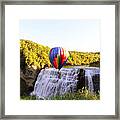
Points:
point(49, 85)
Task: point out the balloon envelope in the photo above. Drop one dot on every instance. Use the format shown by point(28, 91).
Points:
point(58, 57)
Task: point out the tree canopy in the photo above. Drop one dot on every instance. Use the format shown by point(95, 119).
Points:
point(37, 55)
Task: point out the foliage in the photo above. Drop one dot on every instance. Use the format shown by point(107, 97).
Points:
point(36, 55)
point(83, 94)
point(28, 97)
point(84, 58)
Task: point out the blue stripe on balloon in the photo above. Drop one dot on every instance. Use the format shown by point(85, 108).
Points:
point(52, 55)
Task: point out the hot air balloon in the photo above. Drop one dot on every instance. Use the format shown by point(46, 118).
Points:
point(58, 57)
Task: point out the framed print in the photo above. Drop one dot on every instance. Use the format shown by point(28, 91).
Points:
point(60, 60)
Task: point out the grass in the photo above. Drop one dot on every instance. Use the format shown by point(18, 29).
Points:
point(80, 95)
point(28, 97)
point(83, 94)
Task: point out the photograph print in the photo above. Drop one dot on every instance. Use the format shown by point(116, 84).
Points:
point(59, 59)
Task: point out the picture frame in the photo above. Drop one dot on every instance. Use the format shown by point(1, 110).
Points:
point(70, 2)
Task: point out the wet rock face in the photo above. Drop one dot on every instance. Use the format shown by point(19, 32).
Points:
point(96, 82)
point(23, 87)
point(81, 79)
point(28, 78)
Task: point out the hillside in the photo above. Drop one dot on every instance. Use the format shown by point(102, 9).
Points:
point(36, 55)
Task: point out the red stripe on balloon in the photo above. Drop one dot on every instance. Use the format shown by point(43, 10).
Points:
point(62, 56)
point(55, 63)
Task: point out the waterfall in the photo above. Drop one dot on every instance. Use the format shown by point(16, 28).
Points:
point(89, 72)
point(48, 83)
point(90, 82)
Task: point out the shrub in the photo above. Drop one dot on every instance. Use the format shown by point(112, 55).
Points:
point(33, 54)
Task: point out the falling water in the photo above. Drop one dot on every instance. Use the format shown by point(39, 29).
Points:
point(90, 82)
point(89, 72)
point(48, 84)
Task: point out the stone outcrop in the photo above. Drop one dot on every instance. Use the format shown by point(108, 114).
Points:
point(27, 80)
